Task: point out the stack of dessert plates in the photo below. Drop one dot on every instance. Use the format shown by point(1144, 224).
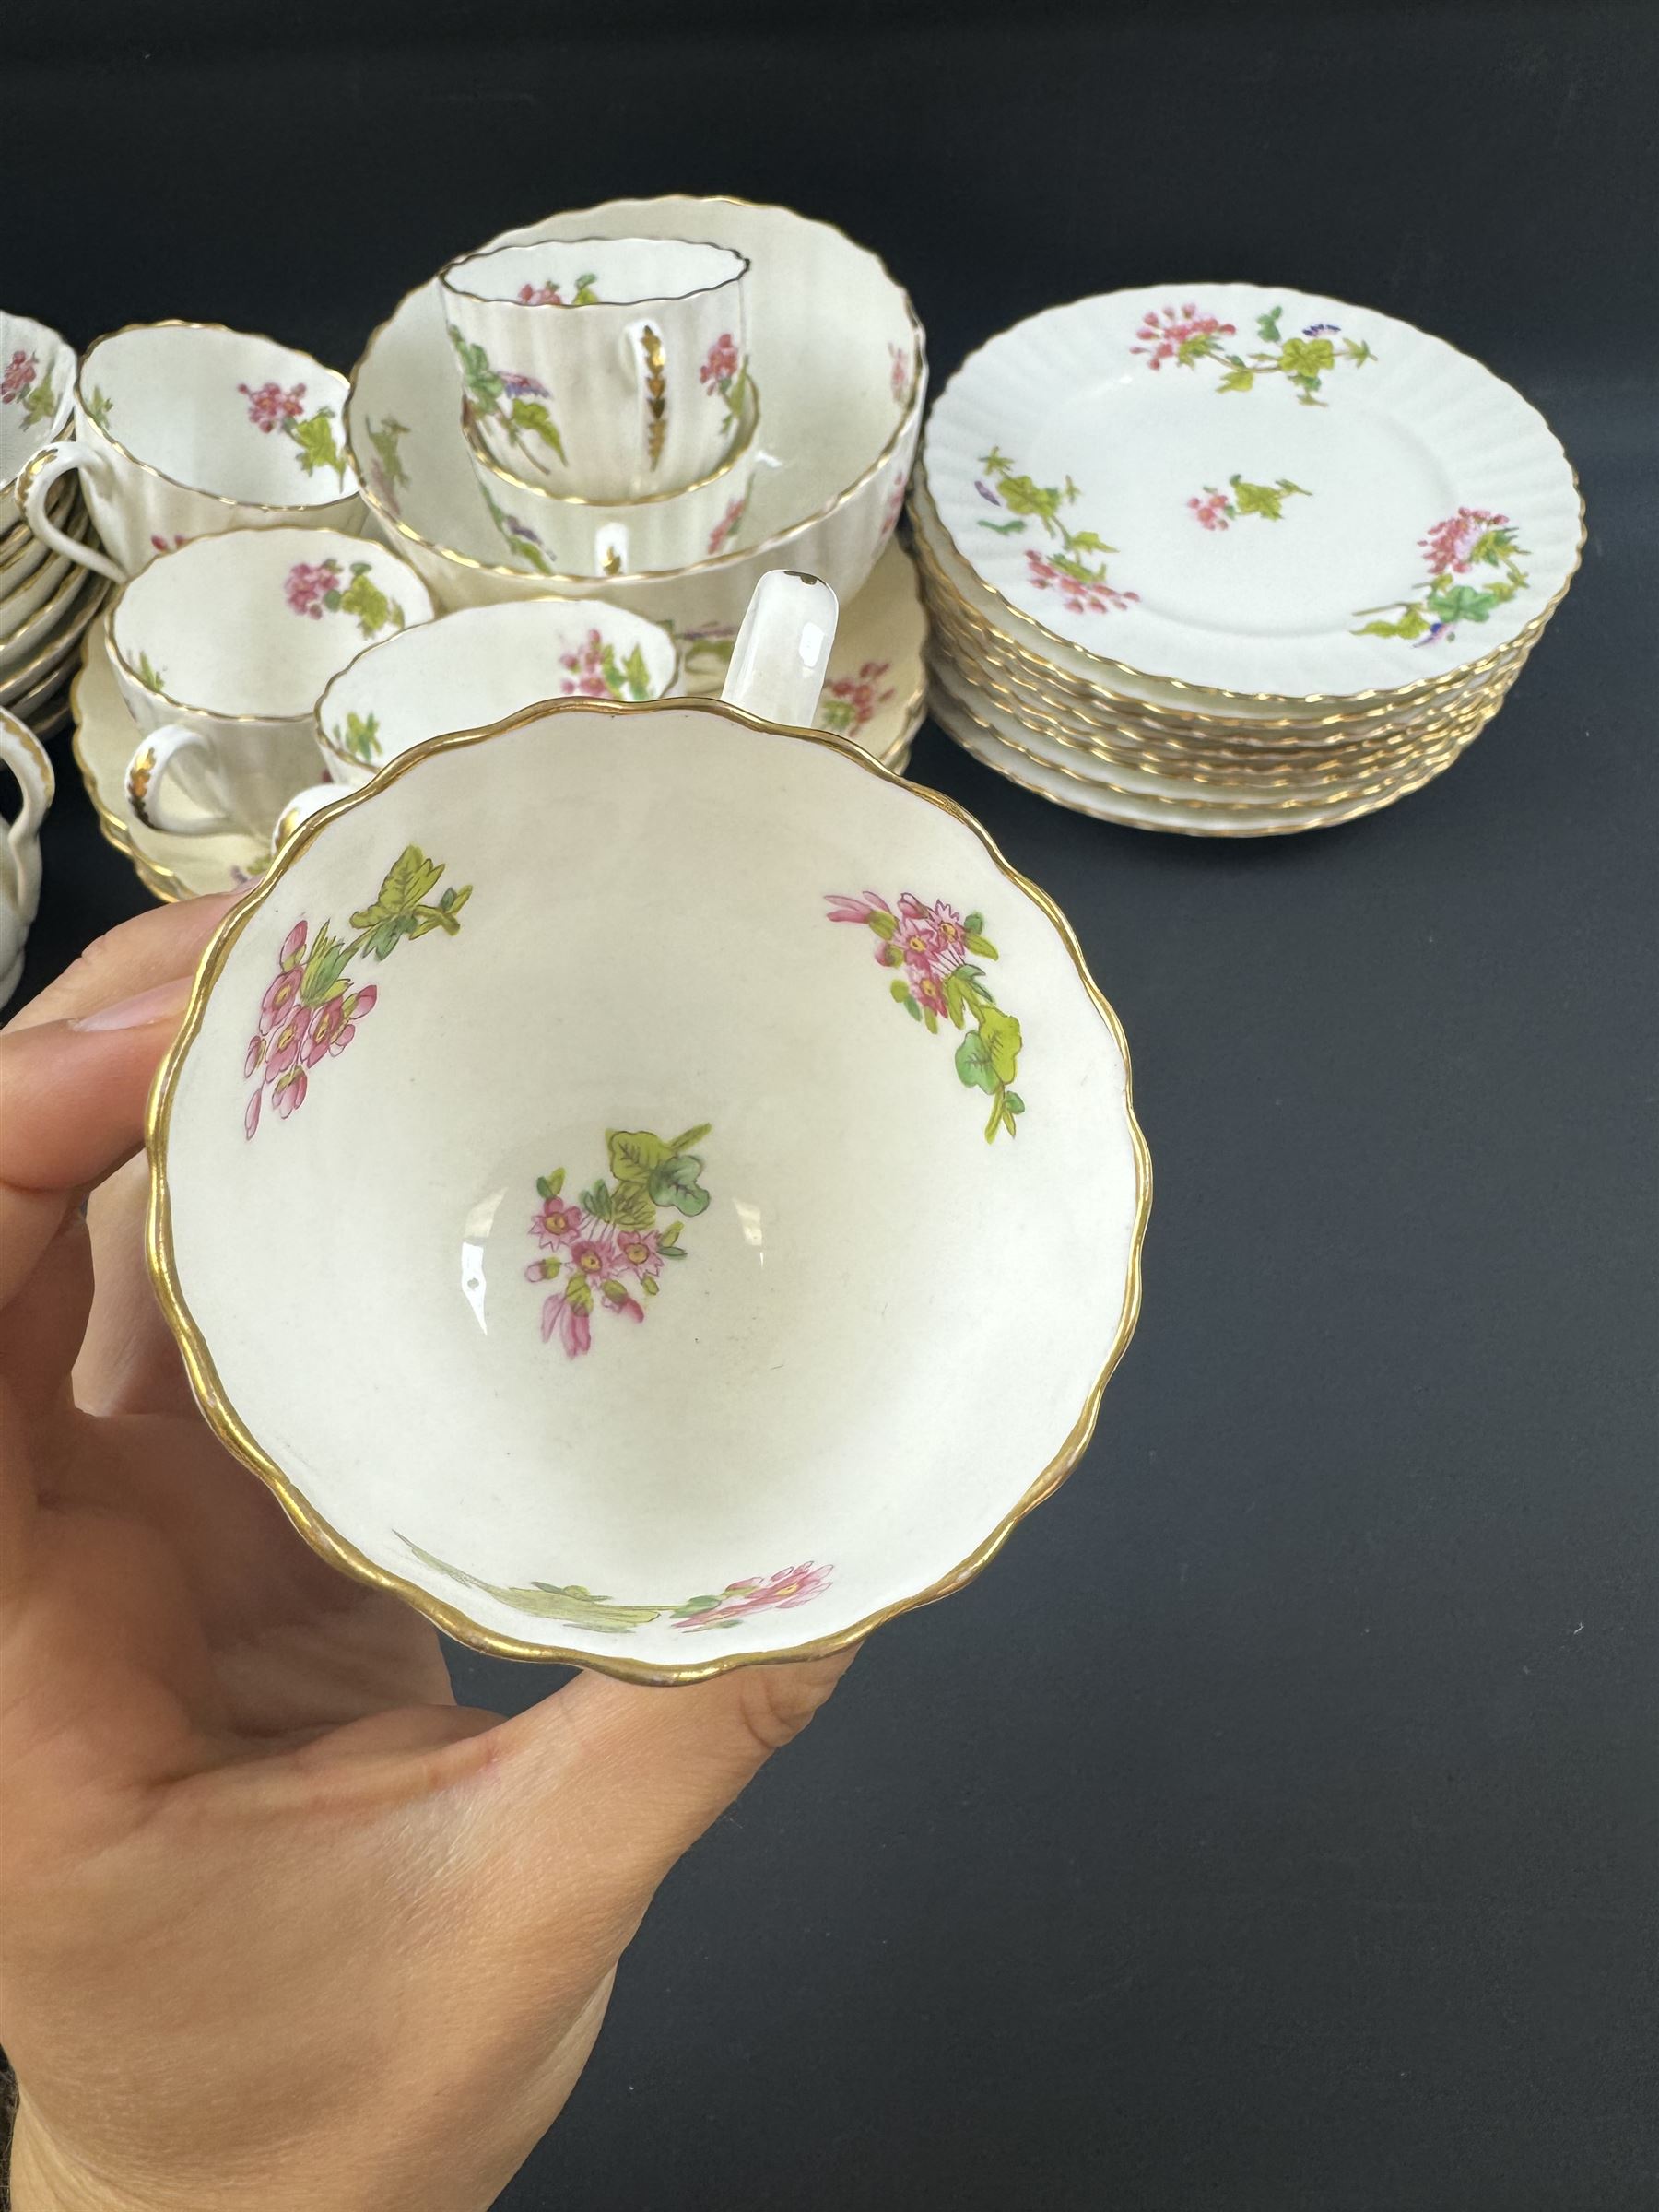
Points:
point(46, 599)
point(1232, 561)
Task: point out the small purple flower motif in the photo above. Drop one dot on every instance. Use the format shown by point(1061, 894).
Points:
point(985, 492)
point(521, 387)
point(1320, 330)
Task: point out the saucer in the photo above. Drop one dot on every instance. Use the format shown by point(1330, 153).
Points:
point(875, 696)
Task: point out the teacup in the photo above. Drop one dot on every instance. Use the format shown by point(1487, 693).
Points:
point(558, 534)
point(612, 367)
point(759, 1245)
point(185, 429)
point(37, 391)
point(478, 666)
point(21, 752)
point(221, 649)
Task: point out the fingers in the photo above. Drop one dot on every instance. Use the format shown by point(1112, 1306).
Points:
point(595, 1793)
point(152, 948)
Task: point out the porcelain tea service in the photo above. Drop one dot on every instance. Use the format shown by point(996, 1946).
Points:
point(24, 758)
point(610, 366)
point(221, 649)
point(184, 429)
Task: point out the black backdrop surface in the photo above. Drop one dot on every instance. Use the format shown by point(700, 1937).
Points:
point(1275, 1825)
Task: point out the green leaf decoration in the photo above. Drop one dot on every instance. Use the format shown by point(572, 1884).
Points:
point(385, 438)
point(543, 1186)
point(360, 737)
point(688, 1137)
point(636, 677)
point(1000, 1034)
point(675, 1184)
point(325, 969)
point(40, 402)
point(314, 437)
point(363, 597)
point(957, 1001)
point(1085, 541)
point(1016, 1104)
point(900, 989)
point(531, 417)
point(149, 675)
point(979, 943)
point(636, 1154)
point(1268, 326)
point(401, 910)
point(1237, 380)
point(1012, 529)
point(883, 923)
point(480, 379)
point(670, 1236)
point(973, 1063)
point(632, 1206)
point(647, 1283)
point(1462, 602)
point(1413, 623)
point(596, 1200)
point(1307, 356)
point(973, 923)
point(1020, 495)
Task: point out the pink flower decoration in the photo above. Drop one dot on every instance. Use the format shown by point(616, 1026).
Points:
point(335, 1023)
point(587, 668)
point(594, 1256)
point(789, 1587)
point(618, 1302)
point(1080, 596)
point(843, 907)
point(251, 1119)
point(541, 295)
point(288, 1095)
point(722, 364)
point(285, 1046)
point(900, 370)
point(639, 1250)
point(729, 523)
point(929, 994)
point(309, 583)
point(574, 1331)
point(20, 374)
point(1179, 334)
point(255, 1054)
point(279, 997)
point(270, 405)
point(1449, 545)
point(293, 946)
point(1210, 512)
point(559, 1220)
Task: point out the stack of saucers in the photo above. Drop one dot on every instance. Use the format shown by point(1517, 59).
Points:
point(1232, 561)
point(46, 599)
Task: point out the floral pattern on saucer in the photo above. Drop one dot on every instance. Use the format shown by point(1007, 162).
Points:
point(931, 945)
point(312, 1008)
point(1474, 538)
point(1084, 589)
point(1217, 509)
point(549, 295)
point(849, 703)
point(320, 587)
point(1187, 336)
point(609, 1242)
point(576, 1607)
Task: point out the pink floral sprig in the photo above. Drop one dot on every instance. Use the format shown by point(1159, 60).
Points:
point(730, 523)
point(269, 407)
point(1079, 594)
point(779, 1592)
point(1449, 546)
point(19, 373)
point(295, 1032)
point(1182, 335)
point(851, 702)
point(1211, 512)
point(721, 364)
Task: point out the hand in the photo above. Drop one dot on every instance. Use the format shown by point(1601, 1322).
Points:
point(280, 1924)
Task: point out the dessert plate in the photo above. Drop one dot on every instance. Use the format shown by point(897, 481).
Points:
point(876, 695)
point(1259, 492)
point(727, 1320)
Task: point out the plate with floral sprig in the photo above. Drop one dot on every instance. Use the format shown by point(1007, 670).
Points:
point(1256, 491)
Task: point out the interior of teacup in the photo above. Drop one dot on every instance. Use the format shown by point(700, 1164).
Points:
point(256, 621)
point(222, 411)
point(483, 664)
point(582, 1201)
point(595, 272)
point(37, 390)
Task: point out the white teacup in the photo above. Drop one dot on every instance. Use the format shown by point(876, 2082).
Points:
point(557, 533)
point(478, 666)
point(221, 649)
point(21, 752)
point(185, 429)
point(612, 367)
point(37, 391)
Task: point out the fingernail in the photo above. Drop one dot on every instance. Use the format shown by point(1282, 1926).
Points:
point(164, 1002)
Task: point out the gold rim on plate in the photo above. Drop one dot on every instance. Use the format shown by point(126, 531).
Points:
point(1021, 695)
point(951, 716)
point(325, 1540)
point(1281, 698)
point(1375, 706)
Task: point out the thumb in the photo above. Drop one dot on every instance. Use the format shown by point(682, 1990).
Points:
point(598, 1790)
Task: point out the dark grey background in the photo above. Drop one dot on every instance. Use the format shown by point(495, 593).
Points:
point(1273, 1826)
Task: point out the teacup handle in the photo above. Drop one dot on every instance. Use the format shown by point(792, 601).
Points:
point(51, 463)
point(23, 753)
point(150, 774)
point(301, 808)
point(782, 655)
